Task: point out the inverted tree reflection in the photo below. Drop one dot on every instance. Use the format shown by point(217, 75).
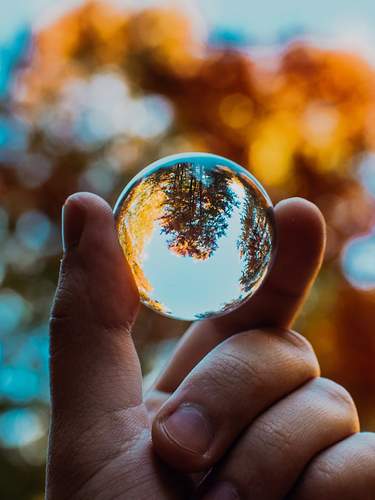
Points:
point(193, 206)
point(136, 223)
point(197, 208)
point(255, 243)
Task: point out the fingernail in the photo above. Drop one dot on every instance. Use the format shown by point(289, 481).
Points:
point(73, 218)
point(189, 428)
point(222, 491)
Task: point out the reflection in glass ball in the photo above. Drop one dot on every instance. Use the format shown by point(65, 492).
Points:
point(198, 232)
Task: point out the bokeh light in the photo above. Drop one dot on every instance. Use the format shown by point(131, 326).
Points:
point(92, 91)
point(359, 262)
point(19, 427)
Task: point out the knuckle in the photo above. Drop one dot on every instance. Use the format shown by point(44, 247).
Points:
point(346, 470)
point(366, 440)
point(273, 437)
point(69, 306)
point(69, 295)
point(229, 372)
point(337, 394)
point(235, 362)
point(306, 352)
point(355, 454)
point(299, 341)
point(322, 472)
point(283, 341)
point(334, 397)
point(239, 370)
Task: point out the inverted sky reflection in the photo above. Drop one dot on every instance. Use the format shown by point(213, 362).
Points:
point(209, 282)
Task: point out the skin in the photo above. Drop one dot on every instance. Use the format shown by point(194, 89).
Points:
point(255, 419)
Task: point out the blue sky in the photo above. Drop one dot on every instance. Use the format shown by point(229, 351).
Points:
point(15, 14)
point(188, 287)
point(262, 19)
point(266, 18)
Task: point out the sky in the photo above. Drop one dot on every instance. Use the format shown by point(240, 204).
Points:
point(266, 18)
point(19, 13)
point(263, 20)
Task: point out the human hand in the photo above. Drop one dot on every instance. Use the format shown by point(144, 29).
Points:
point(253, 407)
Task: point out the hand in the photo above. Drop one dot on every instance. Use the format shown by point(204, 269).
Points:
point(241, 395)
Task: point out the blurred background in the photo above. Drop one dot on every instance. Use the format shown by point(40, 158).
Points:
point(91, 92)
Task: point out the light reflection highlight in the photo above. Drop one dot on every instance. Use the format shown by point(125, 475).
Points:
point(358, 262)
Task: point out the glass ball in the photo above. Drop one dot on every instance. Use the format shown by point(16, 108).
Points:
point(198, 233)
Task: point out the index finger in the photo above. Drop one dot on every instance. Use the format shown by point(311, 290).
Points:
point(301, 242)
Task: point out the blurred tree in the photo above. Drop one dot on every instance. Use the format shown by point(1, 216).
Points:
point(81, 109)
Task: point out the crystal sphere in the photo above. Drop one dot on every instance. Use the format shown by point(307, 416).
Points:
point(198, 232)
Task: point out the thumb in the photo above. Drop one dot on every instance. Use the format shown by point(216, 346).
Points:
point(94, 365)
